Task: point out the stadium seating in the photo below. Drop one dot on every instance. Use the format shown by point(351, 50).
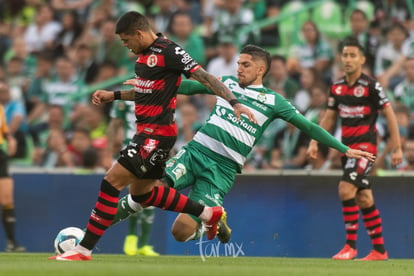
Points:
point(289, 28)
point(363, 5)
point(329, 19)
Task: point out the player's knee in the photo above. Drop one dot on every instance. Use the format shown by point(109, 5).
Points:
point(179, 235)
point(364, 200)
point(346, 190)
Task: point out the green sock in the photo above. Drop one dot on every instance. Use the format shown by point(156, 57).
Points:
point(147, 220)
point(132, 224)
point(125, 210)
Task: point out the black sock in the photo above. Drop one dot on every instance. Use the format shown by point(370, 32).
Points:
point(8, 222)
point(169, 199)
point(102, 215)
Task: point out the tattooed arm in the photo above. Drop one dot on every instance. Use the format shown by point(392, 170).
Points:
point(212, 83)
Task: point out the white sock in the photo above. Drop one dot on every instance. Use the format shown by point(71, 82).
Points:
point(133, 204)
point(206, 214)
point(191, 237)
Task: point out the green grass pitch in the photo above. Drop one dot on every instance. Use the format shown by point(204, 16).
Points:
point(37, 264)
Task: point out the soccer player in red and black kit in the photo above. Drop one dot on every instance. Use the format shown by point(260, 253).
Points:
point(158, 70)
point(357, 98)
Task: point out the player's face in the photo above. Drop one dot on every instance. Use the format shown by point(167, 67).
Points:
point(248, 70)
point(352, 59)
point(133, 42)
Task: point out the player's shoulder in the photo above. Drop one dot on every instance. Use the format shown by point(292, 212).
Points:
point(162, 44)
point(270, 91)
point(228, 78)
point(339, 81)
point(366, 80)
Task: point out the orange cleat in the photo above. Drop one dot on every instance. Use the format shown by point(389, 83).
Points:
point(374, 255)
point(346, 253)
point(212, 224)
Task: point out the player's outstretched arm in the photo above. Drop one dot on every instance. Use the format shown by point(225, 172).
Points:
point(215, 85)
point(321, 135)
point(327, 122)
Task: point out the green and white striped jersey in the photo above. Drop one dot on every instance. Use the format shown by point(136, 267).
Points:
point(225, 138)
point(125, 110)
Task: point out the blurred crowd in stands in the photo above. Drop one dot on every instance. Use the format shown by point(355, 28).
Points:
point(51, 51)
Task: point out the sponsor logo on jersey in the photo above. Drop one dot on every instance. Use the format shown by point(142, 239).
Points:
point(179, 171)
point(261, 106)
point(331, 101)
point(242, 98)
point(152, 60)
point(215, 198)
point(158, 50)
point(221, 112)
point(148, 147)
point(353, 111)
point(190, 65)
point(338, 90)
point(363, 82)
point(363, 163)
point(142, 83)
point(186, 56)
point(353, 175)
point(241, 123)
point(147, 86)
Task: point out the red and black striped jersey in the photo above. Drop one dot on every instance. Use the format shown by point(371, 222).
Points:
point(358, 107)
point(158, 71)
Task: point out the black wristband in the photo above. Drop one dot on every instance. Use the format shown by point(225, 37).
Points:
point(234, 101)
point(117, 95)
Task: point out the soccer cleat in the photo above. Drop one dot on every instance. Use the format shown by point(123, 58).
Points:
point(346, 253)
point(374, 255)
point(130, 245)
point(14, 247)
point(224, 231)
point(124, 210)
point(147, 250)
point(71, 255)
point(212, 224)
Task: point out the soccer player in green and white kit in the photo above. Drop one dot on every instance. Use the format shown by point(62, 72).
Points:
point(123, 117)
point(210, 162)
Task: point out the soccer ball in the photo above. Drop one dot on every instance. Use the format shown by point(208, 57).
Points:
point(67, 239)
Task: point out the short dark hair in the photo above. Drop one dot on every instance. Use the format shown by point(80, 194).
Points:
point(130, 22)
point(257, 52)
point(352, 42)
point(361, 12)
point(399, 26)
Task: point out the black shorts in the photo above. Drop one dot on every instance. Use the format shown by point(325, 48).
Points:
point(145, 156)
point(356, 171)
point(4, 164)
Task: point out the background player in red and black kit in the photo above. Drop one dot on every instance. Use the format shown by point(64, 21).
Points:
point(357, 98)
point(158, 72)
